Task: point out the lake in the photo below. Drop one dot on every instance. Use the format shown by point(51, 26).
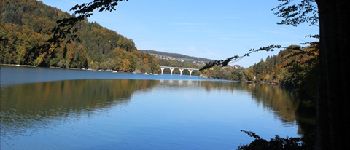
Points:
point(63, 109)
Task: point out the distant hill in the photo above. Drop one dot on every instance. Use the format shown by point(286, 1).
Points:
point(175, 55)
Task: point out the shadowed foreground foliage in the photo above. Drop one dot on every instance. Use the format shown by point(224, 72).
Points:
point(276, 143)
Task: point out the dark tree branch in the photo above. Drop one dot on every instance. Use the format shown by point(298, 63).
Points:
point(251, 134)
point(65, 27)
point(236, 57)
point(86, 9)
point(295, 13)
point(297, 51)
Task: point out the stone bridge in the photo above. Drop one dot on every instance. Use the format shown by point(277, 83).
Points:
point(181, 69)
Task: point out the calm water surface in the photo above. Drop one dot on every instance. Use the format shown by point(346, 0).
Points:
point(134, 112)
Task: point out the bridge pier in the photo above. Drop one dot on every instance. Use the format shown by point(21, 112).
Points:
point(190, 70)
point(171, 70)
point(162, 70)
point(181, 70)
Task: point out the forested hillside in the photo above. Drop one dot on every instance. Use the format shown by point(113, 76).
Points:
point(25, 24)
point(294, 68)
point(235, 73)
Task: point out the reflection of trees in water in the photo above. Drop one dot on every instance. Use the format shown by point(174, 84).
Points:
point(27, 104)
point(287, 107)
point(276, 99)
point(272, 97)
point(208, 85)
point(279, 101)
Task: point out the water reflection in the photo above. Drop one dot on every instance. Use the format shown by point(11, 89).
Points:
point(27, 104)
point(274, 98)
point(37, 105)
point(49, 99)
point(279, 101)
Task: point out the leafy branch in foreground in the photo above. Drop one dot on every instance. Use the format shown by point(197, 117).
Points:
point(66, 26)
point(237, 57)
point(276, 143)
point(295, 13)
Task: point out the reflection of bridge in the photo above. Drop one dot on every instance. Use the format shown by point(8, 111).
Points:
point(180, 69)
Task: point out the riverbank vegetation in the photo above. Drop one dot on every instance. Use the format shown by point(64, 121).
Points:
point(294, 68)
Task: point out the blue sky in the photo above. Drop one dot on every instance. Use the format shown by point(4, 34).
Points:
point(201, 28)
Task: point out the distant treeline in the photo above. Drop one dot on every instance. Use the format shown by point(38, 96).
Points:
point(24, 25)
point(294, 68)
point(175, 55)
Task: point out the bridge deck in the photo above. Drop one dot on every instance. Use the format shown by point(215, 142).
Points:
point(178, 67)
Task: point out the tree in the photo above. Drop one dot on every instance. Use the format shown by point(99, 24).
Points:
point(334, 38)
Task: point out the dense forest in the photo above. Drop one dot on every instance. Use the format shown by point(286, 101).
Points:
point(26, 24)
point(235, 73)
point(294, 68)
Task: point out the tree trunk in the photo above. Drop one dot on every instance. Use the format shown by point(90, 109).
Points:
point(333, 116)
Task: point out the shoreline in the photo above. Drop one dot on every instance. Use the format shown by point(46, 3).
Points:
point(14, 65)
point(80, 69)
point(83, 69)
